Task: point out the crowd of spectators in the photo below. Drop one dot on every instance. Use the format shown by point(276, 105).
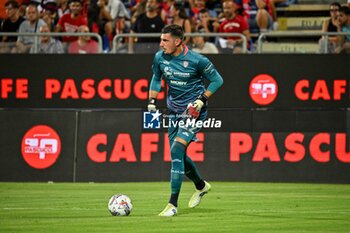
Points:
point(112, 17)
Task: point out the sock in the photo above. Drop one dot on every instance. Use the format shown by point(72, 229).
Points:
point(177, 151)
point(173, 199)
point(192, 173)
point(200, 185)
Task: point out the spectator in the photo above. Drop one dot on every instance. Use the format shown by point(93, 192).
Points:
point(233, 23)
point(30, 25)
point(63, 8)
point(179, 16)
point(330, 25)
point(165, 12)
point(119, 15)
point(136, 10)
point(258, 13)
point(149, 22)
point(10, 24)
point(343, 25)
point(70, 22)
point(207, 24)
point(100, 21)
point(200, 45)
point(47, 44)
point(50, 15)
point(196, 7)
point(84, 44)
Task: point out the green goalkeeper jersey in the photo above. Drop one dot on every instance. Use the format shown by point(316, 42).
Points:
point(184, 75)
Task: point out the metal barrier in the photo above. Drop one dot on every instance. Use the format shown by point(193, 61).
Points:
point(55, 34)
point(263, 36)
point(118, 38)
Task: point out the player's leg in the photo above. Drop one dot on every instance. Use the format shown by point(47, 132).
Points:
point(190, 168)
point(202, 187)
point(191, 171)
point(177, 151)
point(178, 148)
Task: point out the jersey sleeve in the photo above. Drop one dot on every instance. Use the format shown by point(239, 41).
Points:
point(209, 72)
point(157, 75)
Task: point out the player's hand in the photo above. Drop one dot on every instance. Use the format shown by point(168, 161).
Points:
point(151, 107)
point(194, 108)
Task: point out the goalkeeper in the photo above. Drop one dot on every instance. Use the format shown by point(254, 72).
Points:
point(184, 72)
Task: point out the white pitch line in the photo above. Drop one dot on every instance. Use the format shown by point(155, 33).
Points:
point(21, 208)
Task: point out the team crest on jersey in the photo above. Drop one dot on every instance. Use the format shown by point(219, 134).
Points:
point(168, 72)
point(185, 64)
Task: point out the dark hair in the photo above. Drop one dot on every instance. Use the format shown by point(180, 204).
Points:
point(203, 11)
point(345, 10)
point(181, 8)
point(335, 4)
point(70, 1)
point(174, 30)
point(13, 4)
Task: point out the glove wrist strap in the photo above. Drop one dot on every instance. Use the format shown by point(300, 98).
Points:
point(203, 98)
point(152, 101)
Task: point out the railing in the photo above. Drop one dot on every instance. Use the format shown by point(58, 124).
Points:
point(119, 37)
point(263, 36)
point(54, 34)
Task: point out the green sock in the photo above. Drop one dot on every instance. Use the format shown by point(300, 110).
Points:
point(177, 151)
point(191, 170)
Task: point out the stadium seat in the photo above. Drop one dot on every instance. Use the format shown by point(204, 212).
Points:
point(300, 23)
point(291, 47)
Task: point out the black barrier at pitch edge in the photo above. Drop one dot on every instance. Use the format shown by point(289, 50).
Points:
point(302, 135)
point(16, 135)
point(112, 147)
point(121, 81)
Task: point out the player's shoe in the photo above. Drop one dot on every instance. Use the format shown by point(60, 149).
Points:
point(197, 196)
point(169, 211)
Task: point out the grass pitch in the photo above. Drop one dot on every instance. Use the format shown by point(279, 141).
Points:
point(229, 207)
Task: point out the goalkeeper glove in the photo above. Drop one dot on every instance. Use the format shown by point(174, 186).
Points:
point(193, 109)
point(151, 107)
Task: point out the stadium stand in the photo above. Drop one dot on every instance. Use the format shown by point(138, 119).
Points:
point(301, 17)
point(305, 16)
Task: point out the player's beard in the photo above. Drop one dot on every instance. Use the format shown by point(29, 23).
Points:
point(169, 51)
point(173, 50)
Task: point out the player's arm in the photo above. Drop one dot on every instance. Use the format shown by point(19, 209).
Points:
point(154, 89)
point(155, 86)
point(209, 72)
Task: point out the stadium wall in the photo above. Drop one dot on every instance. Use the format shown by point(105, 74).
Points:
point(283, 118)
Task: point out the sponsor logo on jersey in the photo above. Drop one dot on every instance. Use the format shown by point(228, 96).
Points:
point(181, 74)
point(179, 83)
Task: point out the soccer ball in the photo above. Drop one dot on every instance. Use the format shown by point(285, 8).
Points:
point(120, 205)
